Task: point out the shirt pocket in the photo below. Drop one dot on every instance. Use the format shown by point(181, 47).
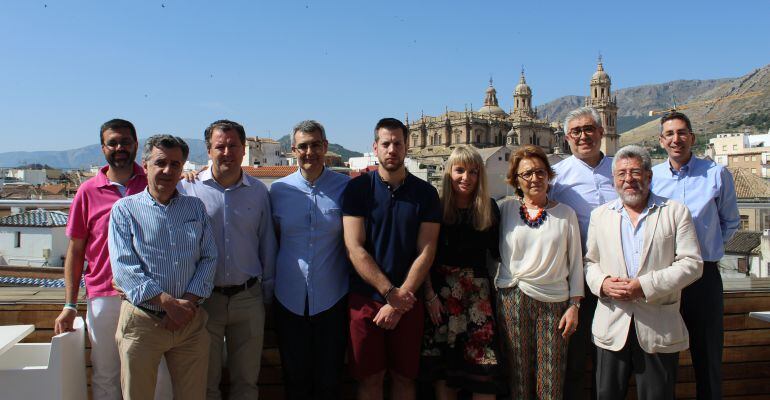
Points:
point(332, 220)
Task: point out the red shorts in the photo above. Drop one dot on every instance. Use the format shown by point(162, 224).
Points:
point(374, 349)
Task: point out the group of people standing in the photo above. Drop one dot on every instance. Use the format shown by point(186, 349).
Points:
point(455, 291)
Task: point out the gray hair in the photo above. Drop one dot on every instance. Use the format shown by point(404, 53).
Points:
point(164, 142)
point(308, 126)
point(582, 112)
point(633, 151)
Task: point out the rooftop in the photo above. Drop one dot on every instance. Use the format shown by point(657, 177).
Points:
point(276, 171)
point(748, 185)
point(36, 218)
point(744, 242)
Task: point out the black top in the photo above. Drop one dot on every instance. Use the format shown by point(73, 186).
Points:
point(460, 245)
point(392, 223)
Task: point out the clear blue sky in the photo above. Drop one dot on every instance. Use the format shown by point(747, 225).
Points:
point(173, 66)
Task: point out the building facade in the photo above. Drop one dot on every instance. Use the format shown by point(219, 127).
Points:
point(742, 150)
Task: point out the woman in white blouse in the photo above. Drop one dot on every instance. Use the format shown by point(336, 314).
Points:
point(540, 280)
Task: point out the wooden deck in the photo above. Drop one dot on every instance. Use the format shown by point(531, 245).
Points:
point(746, 366)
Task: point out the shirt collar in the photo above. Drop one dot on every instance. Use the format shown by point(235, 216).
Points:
point(603, 160)
point(685, 168)
point(151, 200)
point(102, 180)
point(301, 178)
point(206, 176)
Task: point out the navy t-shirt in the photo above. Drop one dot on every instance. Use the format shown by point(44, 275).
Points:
point(392, 221)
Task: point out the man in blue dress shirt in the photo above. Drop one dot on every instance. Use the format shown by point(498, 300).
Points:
point(239, 208)
point(163, 258)
point(708, 190)
point(311, 277)
point(584, 182)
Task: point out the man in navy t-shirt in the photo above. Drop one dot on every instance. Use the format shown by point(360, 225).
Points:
point(391, 223)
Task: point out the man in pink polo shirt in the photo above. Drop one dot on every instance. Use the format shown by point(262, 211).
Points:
point(87, 229)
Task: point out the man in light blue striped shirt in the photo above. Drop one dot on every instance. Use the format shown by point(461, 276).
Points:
point(163, 258)
point(239, 208)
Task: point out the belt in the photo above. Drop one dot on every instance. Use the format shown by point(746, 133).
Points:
point(158, 314)
point(235, 289)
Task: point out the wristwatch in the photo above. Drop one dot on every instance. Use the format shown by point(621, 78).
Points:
point(575, 303)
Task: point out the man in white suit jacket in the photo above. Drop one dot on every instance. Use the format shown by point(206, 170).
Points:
point(642, 250)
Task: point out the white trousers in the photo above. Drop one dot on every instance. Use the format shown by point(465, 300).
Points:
point(102, 321)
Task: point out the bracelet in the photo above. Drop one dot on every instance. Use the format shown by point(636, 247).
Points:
point(71, 306)
point(387, 292)
point(432, 299)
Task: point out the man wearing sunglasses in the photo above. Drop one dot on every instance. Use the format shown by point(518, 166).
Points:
point(584, 182)
point(708, 190)
point(312, 270)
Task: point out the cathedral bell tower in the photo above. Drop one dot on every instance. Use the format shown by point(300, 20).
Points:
point(601, 99)
point(522, 100)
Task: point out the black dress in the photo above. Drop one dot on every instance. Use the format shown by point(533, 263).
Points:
point(464, 348)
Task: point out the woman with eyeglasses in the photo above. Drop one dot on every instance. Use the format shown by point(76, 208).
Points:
point(540, 280)
point(460, 347)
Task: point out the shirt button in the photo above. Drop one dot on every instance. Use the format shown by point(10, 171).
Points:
point(228, 257)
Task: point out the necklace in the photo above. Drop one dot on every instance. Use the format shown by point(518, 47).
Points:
point(537, 220)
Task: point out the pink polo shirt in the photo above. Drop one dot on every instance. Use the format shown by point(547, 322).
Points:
point(90, 219)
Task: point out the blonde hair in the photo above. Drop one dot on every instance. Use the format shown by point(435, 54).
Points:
point(480, 209)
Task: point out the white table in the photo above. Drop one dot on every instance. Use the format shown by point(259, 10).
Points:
point(12, 334)
point(761, 315)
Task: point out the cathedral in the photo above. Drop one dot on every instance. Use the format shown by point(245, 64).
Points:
point(491, 126)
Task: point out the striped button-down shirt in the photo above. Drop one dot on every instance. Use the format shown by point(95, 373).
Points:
point(156, 248)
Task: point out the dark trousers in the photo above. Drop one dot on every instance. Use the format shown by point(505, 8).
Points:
point(579, 349)
point(312, 351)
point(655, 374)
point(703, 312)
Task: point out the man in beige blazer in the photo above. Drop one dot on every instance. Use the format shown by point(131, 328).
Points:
point(642, 250)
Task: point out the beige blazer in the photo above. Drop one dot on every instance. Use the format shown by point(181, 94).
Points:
point(670, 261)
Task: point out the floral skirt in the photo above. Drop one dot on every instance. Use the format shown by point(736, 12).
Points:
point(463, 349)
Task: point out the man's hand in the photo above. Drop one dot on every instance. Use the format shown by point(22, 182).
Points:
point(614, 288)
point(64, 321)
point(633, 289)
point(190, 176)
point(387, 317)
point(120, 291)
point(179, 311)
point(401, 299)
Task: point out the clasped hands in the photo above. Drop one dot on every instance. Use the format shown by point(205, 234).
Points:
point(399, 302)
point(625, 289)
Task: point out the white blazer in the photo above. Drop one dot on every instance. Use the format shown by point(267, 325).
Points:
point(670, 261)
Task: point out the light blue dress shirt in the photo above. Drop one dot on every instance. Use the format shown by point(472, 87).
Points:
point(583, 188)
point(312, 262)
point(632, 237)
point(242, 226)
point(156, 248)
point(708, 190)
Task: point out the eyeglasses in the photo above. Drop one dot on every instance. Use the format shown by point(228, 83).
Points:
point(633, 173)
point(669, 135)
point(113, 144)
point(304, 147)
point(578, 131)
point(539, 173)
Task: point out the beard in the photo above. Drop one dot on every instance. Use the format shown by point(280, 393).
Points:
point(392, 167)
point(122, 163)
point(637, 198)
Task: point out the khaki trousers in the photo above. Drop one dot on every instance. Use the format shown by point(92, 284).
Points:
point(236, 322)
point(142, 341)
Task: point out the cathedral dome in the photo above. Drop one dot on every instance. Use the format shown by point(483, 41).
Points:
point(600, 75)
point(493, 110)
point(522, 89)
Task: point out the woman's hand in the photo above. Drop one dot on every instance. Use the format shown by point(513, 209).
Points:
point(435, 309)
point(569, 321)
